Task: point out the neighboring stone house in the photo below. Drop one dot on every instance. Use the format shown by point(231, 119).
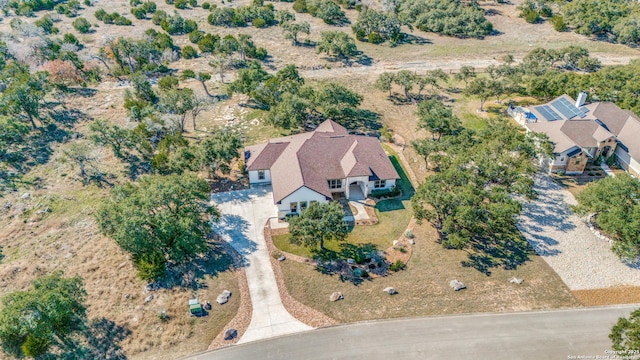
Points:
point(318, 166)
point(583, 133)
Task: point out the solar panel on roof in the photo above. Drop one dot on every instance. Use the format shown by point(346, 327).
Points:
point(548, 113)
point(567, 109)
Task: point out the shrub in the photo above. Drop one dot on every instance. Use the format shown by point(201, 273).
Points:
point(139, 13)
point(300, 6)
point(189, 52)
point(69, 38)
point(46, 24)
point(206, 5)
point(135, 2)
point(193, 3)
point(397, 266)
point(181, 4)
point(99, 14)
point(374, 38)
point(378, 193)
point(409, 234)
point(189, 26)
point(121, 20)
point(558, 23)
point(149, 7)
point(195, 36)
point(82, 25)
point(169, 2)
point(88, 2)
point(259, 23)
point(531, 16)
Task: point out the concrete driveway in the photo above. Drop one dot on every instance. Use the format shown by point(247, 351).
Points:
point(244, 214)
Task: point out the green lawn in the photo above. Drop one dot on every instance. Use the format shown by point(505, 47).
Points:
point(393, 217)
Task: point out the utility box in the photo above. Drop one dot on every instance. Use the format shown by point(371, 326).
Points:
point(195, 308)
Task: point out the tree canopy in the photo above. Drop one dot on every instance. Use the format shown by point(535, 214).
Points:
point(447, 17)
point(625, 334)
point(159, 219)
point(472, 199)
point(34, 321)
point(616, 201)
point(320, 222)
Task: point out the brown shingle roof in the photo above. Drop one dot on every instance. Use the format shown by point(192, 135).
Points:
point(266, 155)
point(310, 159)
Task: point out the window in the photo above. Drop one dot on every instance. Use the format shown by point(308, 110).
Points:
point(562, 158)
point(578, 161)
point(293, 207)
point(379, 184)
point(260, 174)
point(303, 205)
point(335, 184)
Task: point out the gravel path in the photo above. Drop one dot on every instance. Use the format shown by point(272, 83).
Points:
point(565, 242)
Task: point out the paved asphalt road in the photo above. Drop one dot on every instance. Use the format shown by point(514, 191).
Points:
point(558, 334)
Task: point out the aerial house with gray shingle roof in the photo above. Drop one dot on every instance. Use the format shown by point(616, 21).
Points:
point(583, 132)
point(318, 166)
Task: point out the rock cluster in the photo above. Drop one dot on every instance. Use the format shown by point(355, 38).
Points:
point(457, 285)
point(223, 297)
point(336, 296)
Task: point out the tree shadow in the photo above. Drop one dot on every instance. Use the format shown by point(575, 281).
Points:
point(508, 250)
point(82, 91)
point(363, 59)
point(233, 229)
point(362, 122)
point(99, 339)
point(414, 39)
point(220, 258)
point(68, 117)
point(352, 262)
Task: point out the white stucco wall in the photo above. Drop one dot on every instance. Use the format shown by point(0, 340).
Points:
point(302, 194)
point(363, 180)
point(388, 185)
point(253, 177)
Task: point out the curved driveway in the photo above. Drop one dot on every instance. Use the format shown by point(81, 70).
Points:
point(244, 214)
point(557, 334)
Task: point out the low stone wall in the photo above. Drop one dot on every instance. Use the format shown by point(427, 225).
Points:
point(595, 231)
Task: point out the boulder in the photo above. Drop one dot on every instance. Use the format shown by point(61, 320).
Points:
point(457, 285)
point(223, 297)
point(515, 280)
point(127, 296)
point(230, 334)
point(335, 296)
point(148, 298)
point(25, 196)
point(391, 291)
point(395, 242)
point(282, 258)
point(412, 241)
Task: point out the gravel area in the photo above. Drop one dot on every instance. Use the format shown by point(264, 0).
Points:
point(565, 242)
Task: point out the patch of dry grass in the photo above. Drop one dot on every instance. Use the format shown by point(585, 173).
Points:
point(424, 287)
point(37, 241)
point(609, 296)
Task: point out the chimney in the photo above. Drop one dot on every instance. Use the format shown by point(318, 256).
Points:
point(580, 100)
